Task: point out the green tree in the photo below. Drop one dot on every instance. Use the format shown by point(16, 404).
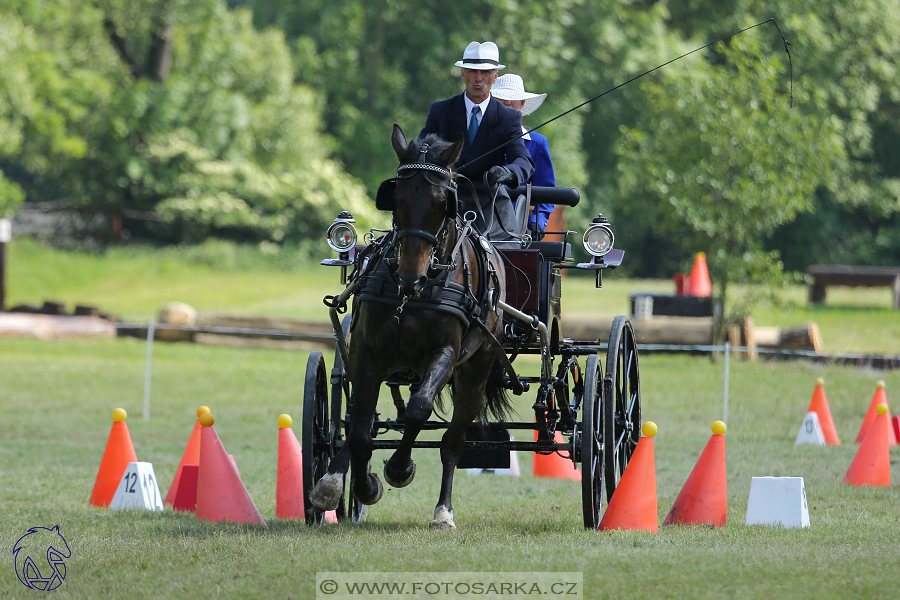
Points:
point(189, 119)
point(720, 159)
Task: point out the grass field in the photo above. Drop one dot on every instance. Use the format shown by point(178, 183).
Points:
point(56, 400)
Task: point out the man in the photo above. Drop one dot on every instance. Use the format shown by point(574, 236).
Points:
point(493, 143)
point(510, 90)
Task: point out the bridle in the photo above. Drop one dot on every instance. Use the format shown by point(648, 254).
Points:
point(450, 195)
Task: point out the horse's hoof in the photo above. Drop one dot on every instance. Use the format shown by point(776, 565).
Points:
point(443, 519)
point(326, 495)
point(400, 483)
point(379, 491)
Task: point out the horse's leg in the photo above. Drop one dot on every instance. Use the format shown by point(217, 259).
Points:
point(400, 469)
point(469, 387)
point(356, 453)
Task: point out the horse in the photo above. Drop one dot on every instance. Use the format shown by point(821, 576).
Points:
point(405, 331)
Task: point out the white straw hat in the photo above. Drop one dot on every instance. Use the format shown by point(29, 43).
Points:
point(483, 57)
point(511, 87)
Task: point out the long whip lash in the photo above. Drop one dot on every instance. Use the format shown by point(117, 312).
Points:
point(787, 45)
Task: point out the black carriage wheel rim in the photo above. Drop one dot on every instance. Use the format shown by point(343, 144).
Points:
point(315, 432)
point(592, 467)
point(622, 386)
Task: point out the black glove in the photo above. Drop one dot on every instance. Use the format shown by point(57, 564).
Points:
point(498, 174)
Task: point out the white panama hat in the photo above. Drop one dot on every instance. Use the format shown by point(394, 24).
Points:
point(511, 87)
point(482, 57)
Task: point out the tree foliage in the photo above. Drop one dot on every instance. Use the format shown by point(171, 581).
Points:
point(257, 119)
point(176, 112)
point(720, 157)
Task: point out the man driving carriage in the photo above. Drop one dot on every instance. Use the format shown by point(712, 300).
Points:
point(494, 152)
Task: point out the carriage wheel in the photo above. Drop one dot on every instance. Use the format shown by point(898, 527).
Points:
point(621, 402)
point(591, 448)
point(339, 389)
point(316, 434)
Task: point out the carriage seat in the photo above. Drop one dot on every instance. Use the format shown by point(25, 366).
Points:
point(552, 251)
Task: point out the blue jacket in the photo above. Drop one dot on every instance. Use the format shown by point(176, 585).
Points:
point(500, 125)
point(543, 175)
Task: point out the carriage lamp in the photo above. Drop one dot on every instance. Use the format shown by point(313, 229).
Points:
point(341, 235)
point(598, 239)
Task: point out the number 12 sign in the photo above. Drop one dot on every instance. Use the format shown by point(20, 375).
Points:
point(137, 489)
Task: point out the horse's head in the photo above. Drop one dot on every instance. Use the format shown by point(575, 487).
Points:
point(425, 203)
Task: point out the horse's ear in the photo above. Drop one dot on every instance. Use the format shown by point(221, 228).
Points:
point(451, 154)
point(398, 141)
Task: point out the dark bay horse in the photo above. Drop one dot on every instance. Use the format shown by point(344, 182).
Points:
point(432, 343)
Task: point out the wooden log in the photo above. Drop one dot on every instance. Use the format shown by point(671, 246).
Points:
point(796, 337)
point(750, 338)
point(805, 337)
point(658, 330)
point(734, 336)
point(50, 327)
point(239, 321)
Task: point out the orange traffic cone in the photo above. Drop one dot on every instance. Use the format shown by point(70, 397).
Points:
point(704, 498)
point(118, 453)
point(221, 495)
point(633, 504)
point(289, 483)
point(872, 464)
point(191, 456)
point(554, 465)
point(878, 398)
point(698, 282)
point(819, 405)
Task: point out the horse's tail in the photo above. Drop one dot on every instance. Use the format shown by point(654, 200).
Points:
point(497, 405)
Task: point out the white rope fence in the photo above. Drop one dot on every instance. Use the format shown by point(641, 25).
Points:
point(876, 361)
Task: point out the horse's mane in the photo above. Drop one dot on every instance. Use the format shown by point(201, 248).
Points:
point(436, 147)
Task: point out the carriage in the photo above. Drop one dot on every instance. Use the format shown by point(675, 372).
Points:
point(587, 404)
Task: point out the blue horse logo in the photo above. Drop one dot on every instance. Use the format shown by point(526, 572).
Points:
point(41, 543)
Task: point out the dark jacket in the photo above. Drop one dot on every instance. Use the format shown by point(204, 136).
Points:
point(500, 124)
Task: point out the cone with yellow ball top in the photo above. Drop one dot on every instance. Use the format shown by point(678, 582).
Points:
point(221, 495)
point(289, 482)
point(704, 498)
point(879, 397)
point(190, 456)
point(633, 504)
point(118, 453)
point(872, 464)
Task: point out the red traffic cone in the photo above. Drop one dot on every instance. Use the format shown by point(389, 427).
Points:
point(698, 281)
point(118, 453)
point(872, 464)
point(704, 498)
point(879, 397)
point(895, 421)
point(186, 498)
point(633, 504)
point(554, 465)
point(289, 484)
point(191, 456)
point(221, 495)
point(819, 405)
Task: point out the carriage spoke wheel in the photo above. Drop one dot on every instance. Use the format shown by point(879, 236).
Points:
point(340, 389)
point(592, 458)
point(317, 433)
point(621, 402)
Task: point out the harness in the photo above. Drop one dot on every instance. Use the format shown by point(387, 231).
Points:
point(374, 281)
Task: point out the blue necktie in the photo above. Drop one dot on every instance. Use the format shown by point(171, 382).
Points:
point(473, 124)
